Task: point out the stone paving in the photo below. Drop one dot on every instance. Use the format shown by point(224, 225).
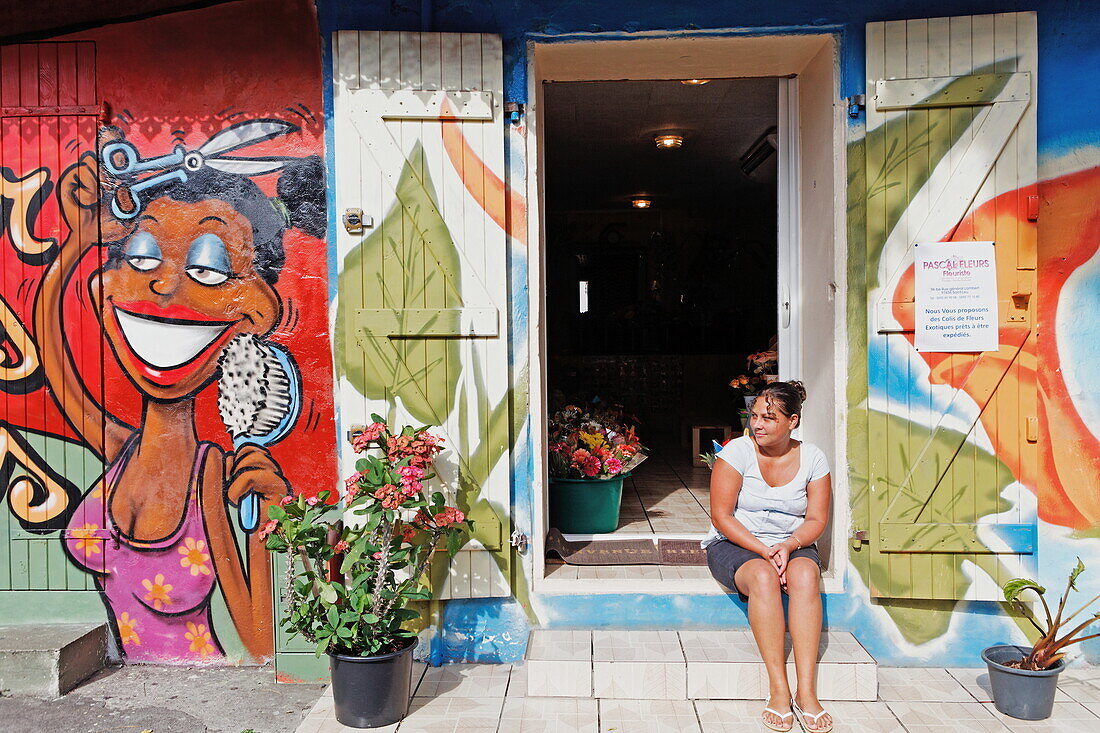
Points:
point(472, 698)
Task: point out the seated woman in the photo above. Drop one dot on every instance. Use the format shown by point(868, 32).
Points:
point(769, 502)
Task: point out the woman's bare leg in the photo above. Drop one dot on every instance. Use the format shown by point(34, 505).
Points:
point(804, 612)
point(759, 580)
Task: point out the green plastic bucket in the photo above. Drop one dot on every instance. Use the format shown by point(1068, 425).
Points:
point(584, 505)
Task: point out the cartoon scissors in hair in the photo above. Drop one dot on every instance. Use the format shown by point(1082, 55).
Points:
point(122, 159)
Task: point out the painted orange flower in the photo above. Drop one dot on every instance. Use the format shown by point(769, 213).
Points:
point(194, 556)
point(158, 591)
point(86, 541)
point(200, 639)
point(127, 630)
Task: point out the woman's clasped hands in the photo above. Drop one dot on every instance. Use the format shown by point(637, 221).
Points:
point(780, 554)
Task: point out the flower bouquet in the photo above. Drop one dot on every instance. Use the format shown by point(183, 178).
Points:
point(593, 445)
point(590, 454)
point(348, 582)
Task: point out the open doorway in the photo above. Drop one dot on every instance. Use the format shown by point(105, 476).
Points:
point(661, 216)
point(737, 248)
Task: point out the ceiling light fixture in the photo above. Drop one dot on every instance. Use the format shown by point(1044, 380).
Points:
point(641, 203)
point(669, 142)
point(694, 82)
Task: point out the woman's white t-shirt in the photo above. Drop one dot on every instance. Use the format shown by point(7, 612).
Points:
point(771, 513)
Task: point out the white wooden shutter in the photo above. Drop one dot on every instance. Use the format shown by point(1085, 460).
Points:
point(422, 318)
point(950, 128)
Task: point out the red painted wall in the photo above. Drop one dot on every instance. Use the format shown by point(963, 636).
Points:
point(142, 323)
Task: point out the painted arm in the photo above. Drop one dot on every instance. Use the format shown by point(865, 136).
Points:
point(725, 485)
point(245, 578)
point(78, 196)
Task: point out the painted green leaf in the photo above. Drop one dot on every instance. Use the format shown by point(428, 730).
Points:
point(900, 159)
point(409, 261)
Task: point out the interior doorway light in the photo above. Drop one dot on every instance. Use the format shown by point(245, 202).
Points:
point(669, 142)
point(694, 82)
point(641, 203)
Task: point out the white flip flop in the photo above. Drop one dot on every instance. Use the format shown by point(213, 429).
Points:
point(802, 716)
point(781, 716)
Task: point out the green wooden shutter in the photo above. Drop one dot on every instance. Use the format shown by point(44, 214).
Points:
point(950, 128)
point(422, 304)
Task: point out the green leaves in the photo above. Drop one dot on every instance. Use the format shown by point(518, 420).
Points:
point(1075, 573)
point(1016, 586)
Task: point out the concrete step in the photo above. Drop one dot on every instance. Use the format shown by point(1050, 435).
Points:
point(683, 665)
point(48, 660)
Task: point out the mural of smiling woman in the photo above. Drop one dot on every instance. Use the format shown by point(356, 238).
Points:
point(193, 256)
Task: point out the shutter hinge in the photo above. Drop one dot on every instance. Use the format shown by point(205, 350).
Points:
point(518, 540)
point(855, 104)
point(514, 111)
point(1033, 208)
point(858, 537)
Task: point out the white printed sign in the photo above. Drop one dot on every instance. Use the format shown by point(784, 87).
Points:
point(956, 297)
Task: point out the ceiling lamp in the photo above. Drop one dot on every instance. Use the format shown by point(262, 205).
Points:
point(669, 142)
point(641, 203)
point(694, 82)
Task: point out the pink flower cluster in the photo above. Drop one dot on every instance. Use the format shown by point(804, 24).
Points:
point(370, 434)
point(450, 515)
point(267, 529)
point(351, 484)
point(419, 448)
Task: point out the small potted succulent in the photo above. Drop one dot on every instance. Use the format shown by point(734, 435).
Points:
point(353, 565)
point(1024, 680)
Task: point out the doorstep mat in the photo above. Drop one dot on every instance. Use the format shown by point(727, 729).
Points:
point(602, 552)
point(681, 552)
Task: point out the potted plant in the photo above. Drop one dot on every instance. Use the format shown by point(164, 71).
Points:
point(352, 567)
point(1024, 680)
point(590, 455)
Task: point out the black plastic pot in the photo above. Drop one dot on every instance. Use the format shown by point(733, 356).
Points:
point(1021, 693)
point(371, 692)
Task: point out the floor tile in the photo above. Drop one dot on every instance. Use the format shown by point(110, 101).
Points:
point(917, 684)
point(719, 646)
point(730, 716)
point(517, 681)
point(636, 646)
point(465, 680)
point(452, 715)
point(872, 717)
point(1067, 717)
point(639, 680)
point(553, 678)
point(945, 717)
point(559, 645)
point(648, 716)
point(549, 715)
point(1081, 684)
point(726, 681)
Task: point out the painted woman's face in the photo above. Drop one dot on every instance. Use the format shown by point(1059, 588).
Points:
point(184, 287)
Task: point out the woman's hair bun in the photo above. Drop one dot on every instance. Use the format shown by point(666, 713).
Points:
point(301, 188)
point(799, 388)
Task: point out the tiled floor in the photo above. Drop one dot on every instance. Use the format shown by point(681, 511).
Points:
point(666, 495)
point(468, 698)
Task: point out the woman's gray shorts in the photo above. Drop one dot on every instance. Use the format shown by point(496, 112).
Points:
point(724, 558)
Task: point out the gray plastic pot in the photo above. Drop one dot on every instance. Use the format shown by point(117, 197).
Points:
point(371, 692)
point(1021, 693)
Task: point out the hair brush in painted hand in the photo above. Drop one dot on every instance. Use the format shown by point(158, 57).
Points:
point(259, 399)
